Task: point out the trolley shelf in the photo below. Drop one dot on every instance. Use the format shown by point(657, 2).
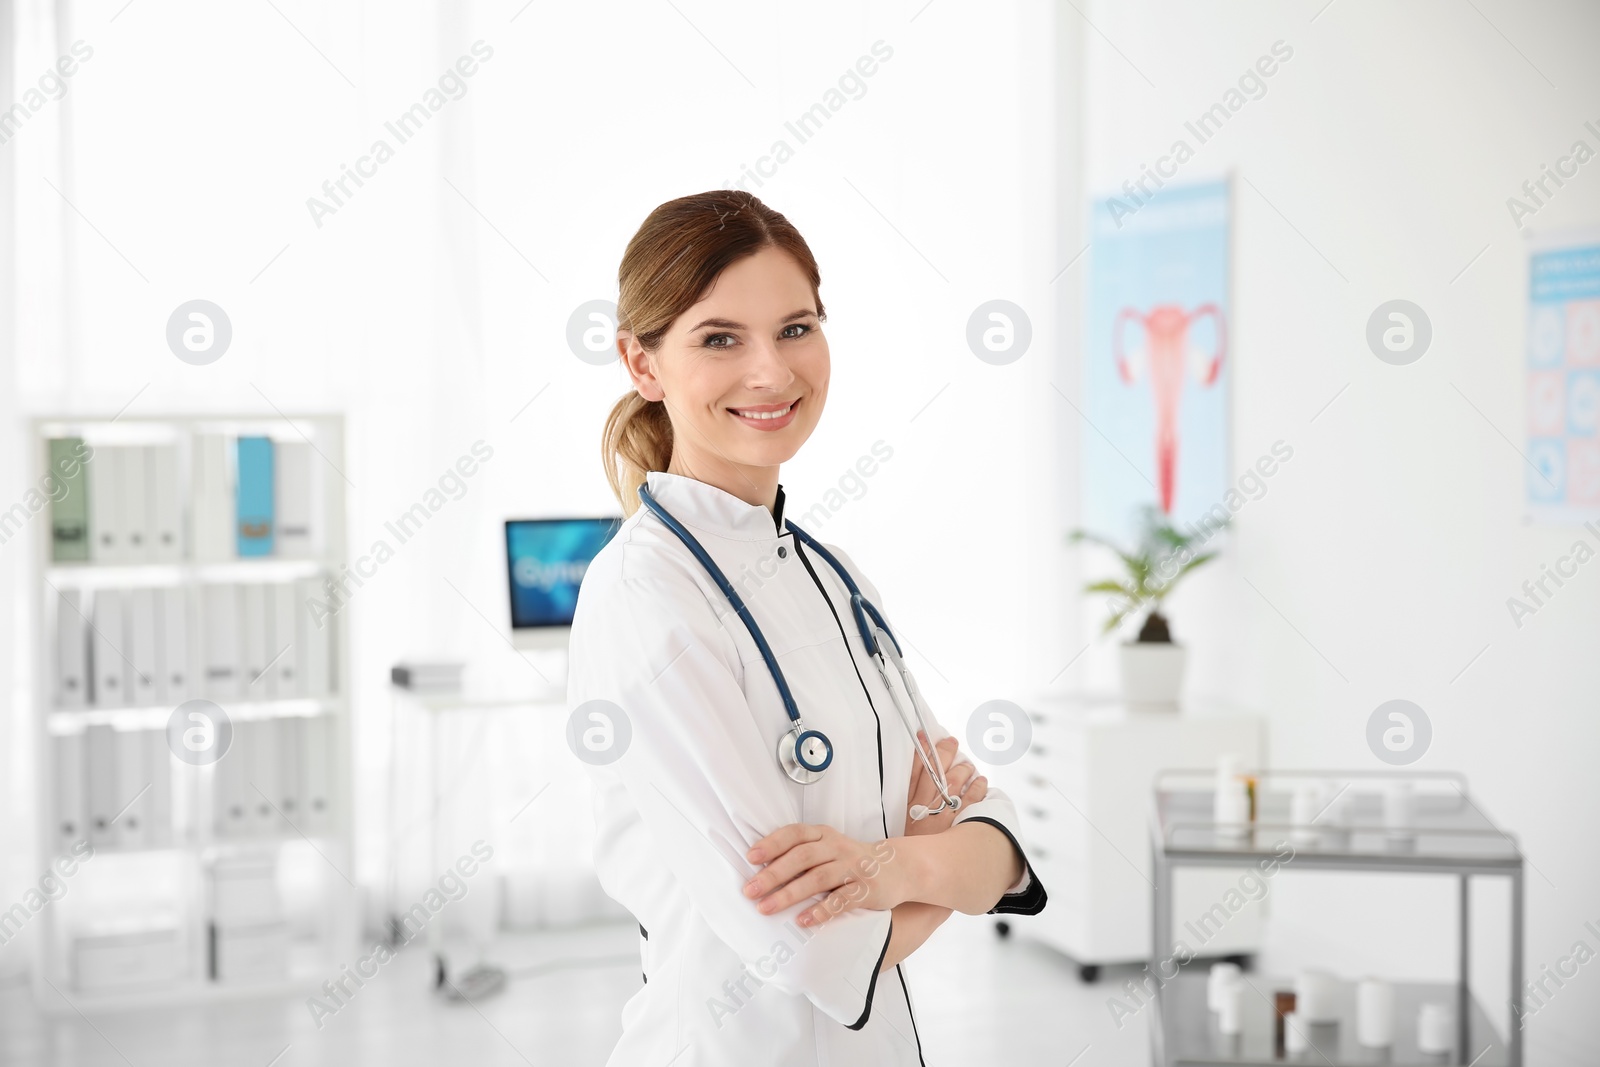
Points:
point(1446, 834)
point(1192, 1039)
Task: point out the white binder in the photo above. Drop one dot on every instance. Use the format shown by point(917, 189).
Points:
point(100, 774)
point(264, 786)
point(164, 510)
point(175, 657)
point(132, 790)
point(314, 644)
point(144, 678)
point(213, 500)
point(316, 741)
point(110, 669)
point(104, 473)
point(72, 651)
point(72, 803)
point(133, 504)
point(220, 625)
point(232, 807)
point(253, 654)
point(283, 642)
point(158, 765)
point(291, 772)
point(297, 526)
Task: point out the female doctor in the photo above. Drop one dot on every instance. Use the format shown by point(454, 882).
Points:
point(780, 871)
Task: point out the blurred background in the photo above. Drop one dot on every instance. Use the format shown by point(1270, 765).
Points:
point(308, 318)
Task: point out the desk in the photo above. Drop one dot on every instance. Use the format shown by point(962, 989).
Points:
point(434, 704)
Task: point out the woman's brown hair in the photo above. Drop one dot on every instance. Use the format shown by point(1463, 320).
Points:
point(668, 267)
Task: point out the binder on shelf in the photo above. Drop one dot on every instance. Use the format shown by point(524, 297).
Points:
point(255, 493)
point(158, 766)
point(253, 654)
point(69, 511)
point(132, 790)
point(174, 655)
point(296, 512)
point(72, 650)
point(164, 508)
point(314, 647)
point(220, 625)
point(284, 642)
point(212, 498)
point(100, 774)
point(109, 666)
point(233, 808)
point(316, 769)
point(133, 504)
point(264, 786)
point(291, 776)
point(144, 678)
point(106, 543)
point(71, 799)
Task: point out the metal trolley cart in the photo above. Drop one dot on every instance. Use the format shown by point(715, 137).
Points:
point(1447, 834)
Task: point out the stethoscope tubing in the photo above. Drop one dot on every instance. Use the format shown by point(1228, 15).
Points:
point(861, 607)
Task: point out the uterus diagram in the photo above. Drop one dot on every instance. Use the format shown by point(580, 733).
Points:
point(1166, 359)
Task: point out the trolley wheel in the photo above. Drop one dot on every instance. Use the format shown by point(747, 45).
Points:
point(1002, 929)
point(1088, 973)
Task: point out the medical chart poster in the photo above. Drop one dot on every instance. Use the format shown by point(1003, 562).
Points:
point(1157, 358)
point(1563, 369)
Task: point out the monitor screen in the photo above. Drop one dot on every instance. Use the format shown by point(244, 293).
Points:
point(545, 561)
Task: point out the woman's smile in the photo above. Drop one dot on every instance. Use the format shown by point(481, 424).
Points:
point(767, 417)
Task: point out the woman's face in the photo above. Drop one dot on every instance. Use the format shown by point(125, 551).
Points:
point(753, 346)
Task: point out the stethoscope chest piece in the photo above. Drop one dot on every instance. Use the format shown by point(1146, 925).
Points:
point(804, 754)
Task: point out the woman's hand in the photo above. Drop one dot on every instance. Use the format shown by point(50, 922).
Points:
point(925, 792)
point(803, 860)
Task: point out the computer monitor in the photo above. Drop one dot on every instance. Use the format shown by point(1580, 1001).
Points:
point(545, 563)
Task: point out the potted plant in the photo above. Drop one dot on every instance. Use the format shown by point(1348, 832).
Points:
point(1150, 666)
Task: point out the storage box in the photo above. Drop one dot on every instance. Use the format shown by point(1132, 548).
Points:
point(244, 891)
point(254, 953)
point(118, 958)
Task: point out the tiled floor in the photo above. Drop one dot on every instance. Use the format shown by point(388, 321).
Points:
point(980, 1001)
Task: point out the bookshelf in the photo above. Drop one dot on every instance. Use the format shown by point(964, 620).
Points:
point(191, 736)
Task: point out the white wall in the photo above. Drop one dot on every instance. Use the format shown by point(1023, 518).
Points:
point(1384, 151)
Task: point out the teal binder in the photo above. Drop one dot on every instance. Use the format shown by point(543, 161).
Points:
point(69, 511)
point(255, 525)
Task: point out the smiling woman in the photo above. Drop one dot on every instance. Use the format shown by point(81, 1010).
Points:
point(773, 819)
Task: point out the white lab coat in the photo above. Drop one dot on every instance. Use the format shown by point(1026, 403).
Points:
point(699, 783)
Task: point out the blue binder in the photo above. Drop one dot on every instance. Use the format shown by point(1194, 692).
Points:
point(255, 525)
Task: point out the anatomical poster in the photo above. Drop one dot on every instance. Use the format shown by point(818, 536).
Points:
point(1157, 359)
point(1563, 474)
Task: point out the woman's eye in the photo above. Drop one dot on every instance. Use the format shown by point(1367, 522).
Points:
point(712, 339)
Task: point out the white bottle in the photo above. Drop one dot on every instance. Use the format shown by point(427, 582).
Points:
point(1434, 1025)
point(1220, 975)
point(1375, 1013)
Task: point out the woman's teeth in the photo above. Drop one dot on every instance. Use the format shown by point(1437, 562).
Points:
point(763, 414)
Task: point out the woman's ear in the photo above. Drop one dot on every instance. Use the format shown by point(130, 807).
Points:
point(640, 366)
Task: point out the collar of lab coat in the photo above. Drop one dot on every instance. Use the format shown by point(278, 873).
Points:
point(706, 508)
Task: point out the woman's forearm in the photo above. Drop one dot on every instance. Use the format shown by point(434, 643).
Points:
point(967, 868)
point(914, 922)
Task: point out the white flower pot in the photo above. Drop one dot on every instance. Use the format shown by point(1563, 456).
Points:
point(1151, 673)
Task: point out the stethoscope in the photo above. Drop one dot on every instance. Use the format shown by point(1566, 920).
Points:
point(804, 754)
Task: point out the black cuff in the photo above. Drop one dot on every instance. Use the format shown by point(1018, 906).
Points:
point(1029, 901)
point(872, 985)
